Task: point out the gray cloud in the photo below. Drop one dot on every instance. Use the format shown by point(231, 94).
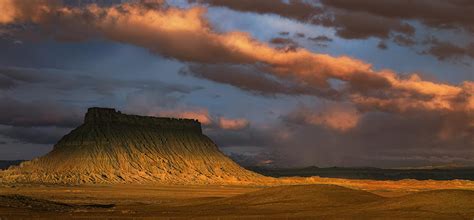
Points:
point(444, 50)
point(362, 19)
point(379, 140)
point(34, 135)
point(426, 139)
point(321, 39)
point(295, 9)
point(74, 80)
point(41, 121)
point(435, 13)
point(254, 79)
point(37, 113)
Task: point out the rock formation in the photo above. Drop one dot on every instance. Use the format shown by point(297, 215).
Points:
point(111, 147)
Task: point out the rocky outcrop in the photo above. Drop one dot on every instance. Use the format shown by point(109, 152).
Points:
point(111, 147)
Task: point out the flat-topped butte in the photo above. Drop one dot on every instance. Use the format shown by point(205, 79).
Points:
point(111, 116)
point(111, 147)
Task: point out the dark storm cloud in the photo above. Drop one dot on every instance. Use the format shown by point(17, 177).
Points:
point(403, 40)
point(34, 135)
point(283, 41)
point(243, 138)
point(300, 35)
point(68, 80)
point(136, 24)
point(362, 25)
point(37, 113)
point(444, 50)
point(348, 24)
point(386, 19)
point(321, 40)
point(382, 45)
point(294, 9)
point(317, 137)
point(184, 33)
point(338, 117)
point(244, 77)
point(29, 115)
point(416, 139)
point(435, 13)
point(6, 82)
point(382, 135)
point(285, 44)
point(254, 79)
point(12, 77)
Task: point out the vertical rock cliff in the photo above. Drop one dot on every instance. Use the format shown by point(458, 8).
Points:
point(111, 147)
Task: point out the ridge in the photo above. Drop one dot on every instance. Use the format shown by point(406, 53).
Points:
point(96, 115)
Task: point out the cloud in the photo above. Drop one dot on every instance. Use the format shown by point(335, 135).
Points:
point(403, 40)
point(153, 103)
point(418, 136)
point(202, 115)
point(233, 124)
point(34, 135)
point(205, 118)
point(394, 111)
point(386, 19)
point(349, 24)
point(294, 9)
point(362, 25)
point(321, 39)
point(37, 113)
point(253, 79)
point(12, 77)
point(337, 117)
point(413, 140)
point(6, 83)
point(184, 34)
point(70, 80)
point(382, 45)
point(436, 13)
point(22, 107)
point(448, 51)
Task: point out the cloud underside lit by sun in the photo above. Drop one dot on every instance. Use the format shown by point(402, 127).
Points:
point(353, 90)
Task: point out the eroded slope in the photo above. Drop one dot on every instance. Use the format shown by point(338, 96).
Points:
point(111, 147)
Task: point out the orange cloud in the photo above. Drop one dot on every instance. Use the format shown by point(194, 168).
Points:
point(205, 118)
point(186, 35)
point(201, 115)
point(335, 117)
point(8, 12)
point(233, 124)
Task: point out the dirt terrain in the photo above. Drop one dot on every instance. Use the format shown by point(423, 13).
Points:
point(229, 202)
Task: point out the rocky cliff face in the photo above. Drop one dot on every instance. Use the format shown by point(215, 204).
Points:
point(111, 147)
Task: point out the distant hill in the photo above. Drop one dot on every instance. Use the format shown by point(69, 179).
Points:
point(465, 173)
point(111, 147)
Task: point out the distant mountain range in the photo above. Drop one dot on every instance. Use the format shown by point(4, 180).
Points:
point(424, 173)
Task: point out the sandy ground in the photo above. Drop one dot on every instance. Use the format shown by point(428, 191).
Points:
point(358, 199)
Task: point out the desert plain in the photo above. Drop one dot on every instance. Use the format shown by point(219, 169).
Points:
point(291, 198)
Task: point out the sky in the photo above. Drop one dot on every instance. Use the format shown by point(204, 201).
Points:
point(283, 83)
